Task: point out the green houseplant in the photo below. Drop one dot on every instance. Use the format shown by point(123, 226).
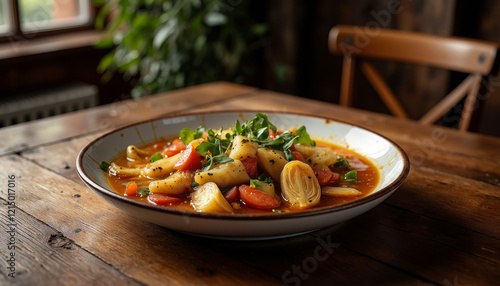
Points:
point(169, 44)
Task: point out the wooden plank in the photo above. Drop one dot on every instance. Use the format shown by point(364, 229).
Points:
point(456, 237)
point(306, 260)
point(150, 254)
point(21, 136)
point(422, 256)
point(40, 249)
point(426, 153)
point(459, 201)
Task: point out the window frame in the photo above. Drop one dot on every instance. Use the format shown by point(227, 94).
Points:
point(16, 34)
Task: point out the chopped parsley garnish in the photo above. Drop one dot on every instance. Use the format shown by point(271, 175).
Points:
point(143, 192)
point(351, 176)
point(214, 147)
point(187, 135)
point(261, 179)
point(194, 185)
point(155, 157)
point(104, 165)
point(341, 162)
point(257, 130)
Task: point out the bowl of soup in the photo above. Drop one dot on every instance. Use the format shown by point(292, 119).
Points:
point(243, 175)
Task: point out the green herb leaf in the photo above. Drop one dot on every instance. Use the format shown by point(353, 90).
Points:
point(277, 211)
point(155, 157)
point(143, 192)
point(194, 185)
point(104, 165)
point(221, 159)
point(341, 162)
point(351, 176)
point(303, 137)
point(187, 134)
point(255, 183)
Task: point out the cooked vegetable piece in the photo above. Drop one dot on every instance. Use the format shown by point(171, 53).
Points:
point(251, 166)
point(131, 189)
point(189, 160)
point(299, 185)
point(271, 161)
point(339, 191)
point(104, 165)
point(232, 195)
point(243, 148)
point(120, 171)
point(351, 176)
point(134, 153)
point(162, 167)
point(257, 199)
point(224, 175)
point(161, 199)
point(174, 184)
point(208, 198)
point(176, 147)
point(298, 156)
point(322, 156)
point(305, 150)
point(326, 177)
point(155, 157)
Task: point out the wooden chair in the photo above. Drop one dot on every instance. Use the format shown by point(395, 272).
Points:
point(359, 44)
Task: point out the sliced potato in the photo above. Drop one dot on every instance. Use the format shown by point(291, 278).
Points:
point(208, 198)
point(161, 168)
point(243, 148)
point(305, 150)
point(224, 175)
point(134, 153)
point(267, 188)
point(174, 184)
point(299, 185)
point(340, 191)
point(116, 170)
point(271, 161)
point(322, 156)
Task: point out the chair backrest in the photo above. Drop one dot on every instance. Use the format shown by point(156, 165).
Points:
point(360, 44)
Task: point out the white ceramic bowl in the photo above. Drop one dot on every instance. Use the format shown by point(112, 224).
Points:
point(390, 158)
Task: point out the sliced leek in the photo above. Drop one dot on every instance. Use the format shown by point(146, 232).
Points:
point(340, 191)
point(299, 185)
point(208, 198)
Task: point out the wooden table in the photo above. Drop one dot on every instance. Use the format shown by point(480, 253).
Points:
point(442, 226)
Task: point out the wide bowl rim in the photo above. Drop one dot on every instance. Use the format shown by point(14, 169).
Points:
point(252, 217)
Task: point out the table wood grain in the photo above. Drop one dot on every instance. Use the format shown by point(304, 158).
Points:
point(441, 227)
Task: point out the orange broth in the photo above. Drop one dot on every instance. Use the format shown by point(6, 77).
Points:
point(366, 171)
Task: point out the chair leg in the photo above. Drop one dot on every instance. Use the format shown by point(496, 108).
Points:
point(347, 84)
point(470, 104)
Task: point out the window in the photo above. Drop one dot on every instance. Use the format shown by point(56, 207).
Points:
point(27, 19)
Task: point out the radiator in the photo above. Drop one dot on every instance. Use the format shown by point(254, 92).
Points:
point(26, 107)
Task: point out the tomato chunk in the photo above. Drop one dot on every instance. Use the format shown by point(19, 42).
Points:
point(131, 189)
point(257, 199)
point(190, 160)
point(298, 156)
point(250, 164)
point(232, 195)
point(176, 147)
point(326, 177)
point(161, 199)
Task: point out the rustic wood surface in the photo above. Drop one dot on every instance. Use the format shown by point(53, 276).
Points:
point(441, 227)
